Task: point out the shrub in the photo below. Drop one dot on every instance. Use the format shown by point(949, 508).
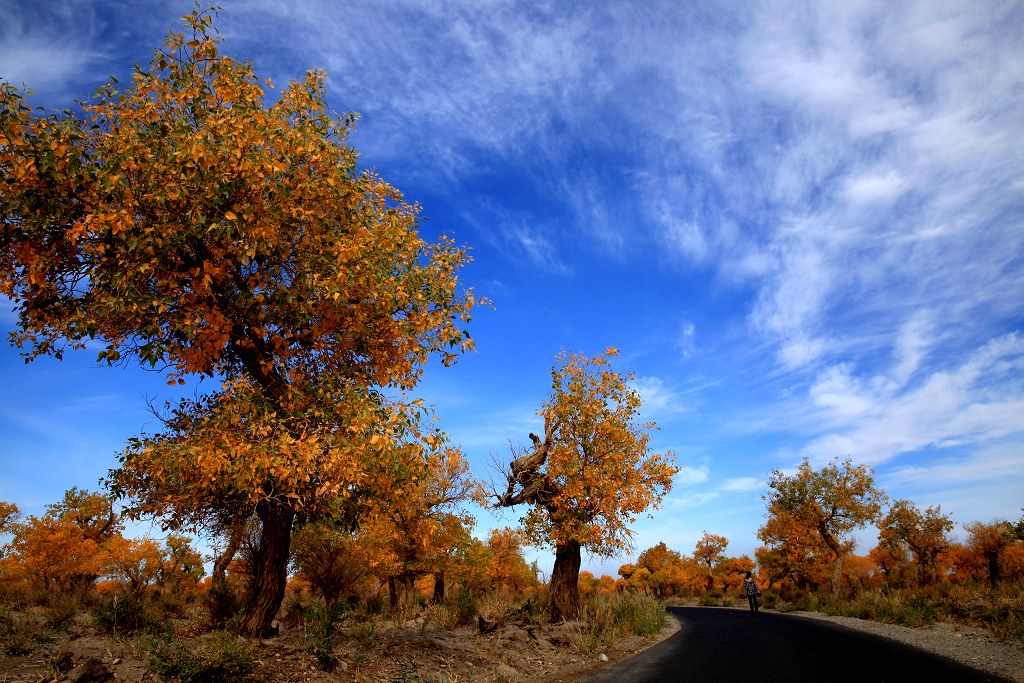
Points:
point(462, 607)
point(318, 622)
point(60, 613)
point(609, 616)
point(125, 614)
point(222, 603)
point(219, 658)
point(634, 614)
point(18, 632)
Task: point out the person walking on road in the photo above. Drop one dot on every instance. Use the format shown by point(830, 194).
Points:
point(752, 591)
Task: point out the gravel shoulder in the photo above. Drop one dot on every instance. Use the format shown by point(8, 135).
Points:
point(973, 647)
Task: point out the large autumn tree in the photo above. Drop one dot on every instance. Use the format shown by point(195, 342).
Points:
point(187, 224)
point(590, 476)
point(832, 501)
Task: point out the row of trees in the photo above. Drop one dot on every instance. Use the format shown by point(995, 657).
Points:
point(915, 549)
point(79, 541)
point(811, 515)
point(78, 546)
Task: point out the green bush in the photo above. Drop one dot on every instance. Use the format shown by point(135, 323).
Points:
point(635, 614)
point(318, 622)
point(463, 607)
point(125, 614)
point(218, 658)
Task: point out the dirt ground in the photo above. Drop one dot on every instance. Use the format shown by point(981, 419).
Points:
point(415, 651)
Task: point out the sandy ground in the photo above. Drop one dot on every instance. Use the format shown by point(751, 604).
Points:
point(516, 652)
point(421, 652)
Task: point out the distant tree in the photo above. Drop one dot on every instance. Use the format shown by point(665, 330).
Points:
point(832, 502)
point(731, 571)
point(330, 558)
point(67, 548)
point(181, 565)
point(590, 476)
point(418, 532)
point(709, 551)
point(187, 225)
point(668, 573)
point(893, 561)
point(987, 541)
point(925, 534)
point(134, 562)
point(507, 568)
point(794, 552)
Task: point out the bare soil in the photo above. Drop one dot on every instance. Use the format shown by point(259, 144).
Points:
point(414, 651)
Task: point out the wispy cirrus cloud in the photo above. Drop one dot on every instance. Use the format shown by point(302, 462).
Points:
point(48, 56)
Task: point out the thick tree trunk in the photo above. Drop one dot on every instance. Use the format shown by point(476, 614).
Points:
point(837, 573)
point(438, 588)
point(408, 589)
point(993, 569)
point(269, 570)
point(833, 544)
point(565, 587)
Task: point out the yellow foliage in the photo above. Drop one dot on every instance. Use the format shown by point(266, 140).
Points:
point(601, 460)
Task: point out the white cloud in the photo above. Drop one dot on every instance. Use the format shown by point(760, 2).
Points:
point(690, 476)
point(990, 464)
point(657, 397)
point(49, 47)
point(874, 188)
point(915, 339)
point(739, 484)
point(873, 420)
point(686, 339)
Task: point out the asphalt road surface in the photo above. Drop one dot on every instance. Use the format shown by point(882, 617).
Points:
point(733, 645)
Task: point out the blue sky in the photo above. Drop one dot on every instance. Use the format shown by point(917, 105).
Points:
point(802, 225)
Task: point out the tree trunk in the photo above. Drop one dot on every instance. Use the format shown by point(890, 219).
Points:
point(837, 573)
point(392, 593)
point(438, 588)
point(993, 569)
point(833, 544)
point(565, 587)
point(408, 589)
point(269, 570)
point(222, 601)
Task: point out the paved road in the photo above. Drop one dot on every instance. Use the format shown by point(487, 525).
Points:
point(733, 645)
